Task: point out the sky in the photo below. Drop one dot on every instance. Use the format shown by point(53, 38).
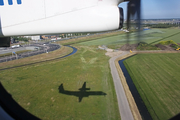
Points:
point(157, 9)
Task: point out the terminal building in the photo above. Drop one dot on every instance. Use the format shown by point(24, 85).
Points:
point(37, 37)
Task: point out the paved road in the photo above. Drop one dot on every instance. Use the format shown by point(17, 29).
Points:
point(12, 50)
point(123, 104)
point(74, 51)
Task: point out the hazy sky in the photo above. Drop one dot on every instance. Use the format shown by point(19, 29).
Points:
point(154, 9)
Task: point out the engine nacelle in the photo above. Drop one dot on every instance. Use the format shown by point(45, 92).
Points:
point(32, 17)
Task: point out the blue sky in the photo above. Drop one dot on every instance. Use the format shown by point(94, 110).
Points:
point(157, 9)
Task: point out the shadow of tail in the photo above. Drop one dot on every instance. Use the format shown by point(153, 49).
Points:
point(61, 88)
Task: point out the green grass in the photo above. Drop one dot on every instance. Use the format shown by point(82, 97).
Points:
point(35, 87)
point(145, 46)
point(168, 42)
point(156, 76)
point(148, 36)
point(121, 39)
point(173, 36)
point(90, 38)
point(171, 43)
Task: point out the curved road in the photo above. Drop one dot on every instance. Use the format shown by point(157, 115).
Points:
point(124, 108)
point(74, 51)
point(43, 49)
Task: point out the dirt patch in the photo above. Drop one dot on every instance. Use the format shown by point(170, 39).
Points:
point(165, 47)
point(112, 54)
point(178, 44)
point(128, 47)
point(162, 47)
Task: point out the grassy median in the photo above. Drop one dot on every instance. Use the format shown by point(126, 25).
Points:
point(156, 76)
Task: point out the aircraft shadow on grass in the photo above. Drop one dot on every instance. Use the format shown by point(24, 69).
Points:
point(81, 93)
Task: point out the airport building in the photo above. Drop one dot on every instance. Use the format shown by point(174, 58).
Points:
point(37, 37)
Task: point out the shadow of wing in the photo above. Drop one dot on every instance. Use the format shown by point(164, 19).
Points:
point(96, 93)
point(80, 98)
point(84, 87)
point(74, 93)
point(61, 88)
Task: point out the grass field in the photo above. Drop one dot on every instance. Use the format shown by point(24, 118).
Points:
point(156, 76)
point(148, 36)
point(35, 87)
point(89, 38)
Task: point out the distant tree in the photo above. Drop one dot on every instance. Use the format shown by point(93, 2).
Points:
point(165, 25)
point(20, 38)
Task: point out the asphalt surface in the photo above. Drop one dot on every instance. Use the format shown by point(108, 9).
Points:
point(74, 51)
point(12, 50)
point(42, 49)
point(124, 108)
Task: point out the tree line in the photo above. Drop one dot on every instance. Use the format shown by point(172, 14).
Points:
point(167, 25)
point(21, 38)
